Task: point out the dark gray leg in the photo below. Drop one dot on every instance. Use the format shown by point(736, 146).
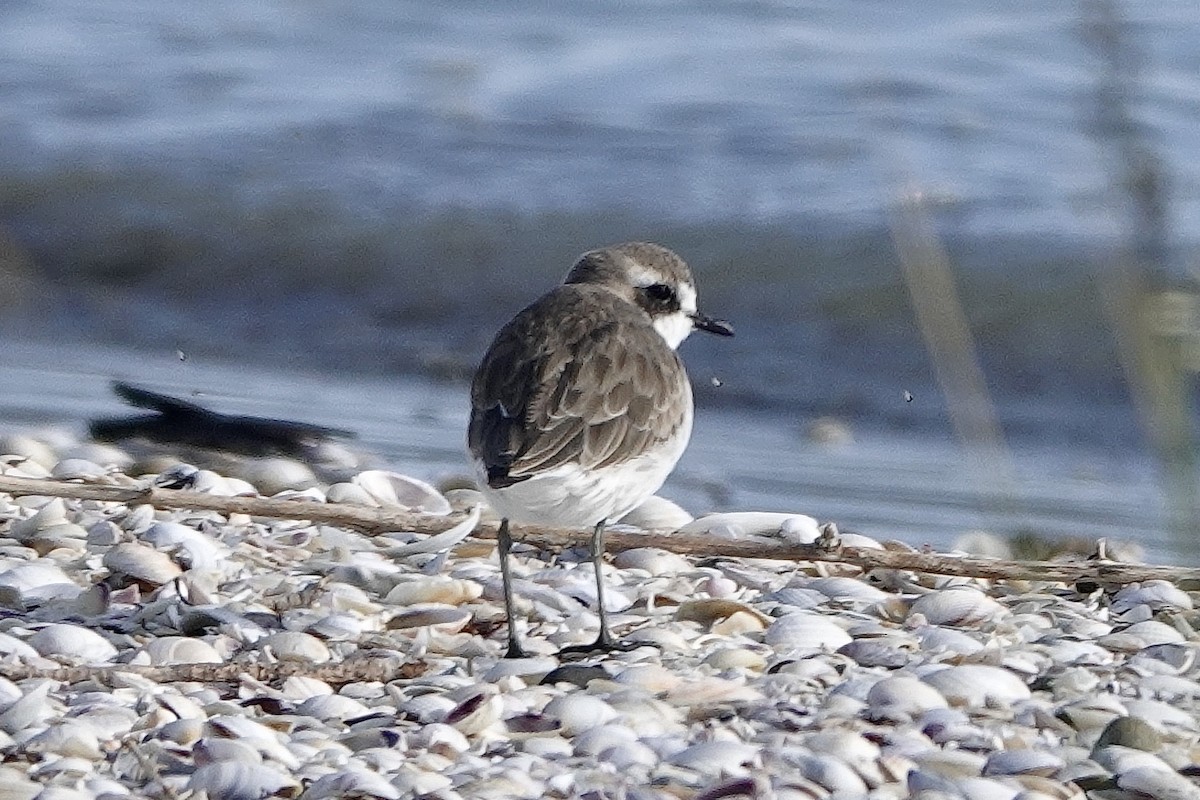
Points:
point(605, 640)
point(504, 542)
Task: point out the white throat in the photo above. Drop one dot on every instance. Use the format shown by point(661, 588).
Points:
point(673, 328)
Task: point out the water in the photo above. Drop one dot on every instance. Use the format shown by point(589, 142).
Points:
point(919, 490)
point(371, 187)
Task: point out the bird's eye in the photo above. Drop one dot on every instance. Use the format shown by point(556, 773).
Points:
point(660, 293)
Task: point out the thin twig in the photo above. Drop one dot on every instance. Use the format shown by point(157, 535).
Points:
point(375, 521)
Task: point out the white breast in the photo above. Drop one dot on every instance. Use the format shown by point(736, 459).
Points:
point(570, 496)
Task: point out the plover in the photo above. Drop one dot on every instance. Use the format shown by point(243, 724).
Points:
point(581, 407)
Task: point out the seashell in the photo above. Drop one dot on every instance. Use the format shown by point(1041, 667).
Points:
point(652, 560)
point(298, 688)
point(736, 658)
point(52, 513)
point(72, 642)
point(1156, 594)
point(903, 697)
point(800, 529)
point(718, 758)
point(595, 740)
point(37, 582)
point(437, 589)
point(447, 619)
point(356, 783)
point(274, 475)
point(15, 785)
point(426, 708)
point(577, 712)
point(394, 489)
point(531, 668)
point(648, 677)
point(439, 542)
point(179, 650)
point(77, 469)
point(141, 563)
point(627, 755)
point(100, 453)
point(350, 493)
point(68, 738)
point(934, 639)
point(978, 686)
point(891, 652)
point(28, 447)
point(1152, 632)
point(745, 524)
point(1130, 732)
point(1119, 760)
point(12, 646)
point(234, 780)
point(295, 647)
point(711, 691)
point(189, 547)
point(657, 513)
point(338, 627)
point(706, 611)
point(959, 606)
point(103, 534)
point(805, 630)
point(332, 706)
point(442, 738)
point(847, 589)
point(476, 714)
point(830, 773)
point(28, 710)
point(1146, 781)
point(213, 748)
point(1028, 761)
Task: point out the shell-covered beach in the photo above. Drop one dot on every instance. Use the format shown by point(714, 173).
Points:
point(157, 653)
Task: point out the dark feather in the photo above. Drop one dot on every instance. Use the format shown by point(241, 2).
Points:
point(579, 377)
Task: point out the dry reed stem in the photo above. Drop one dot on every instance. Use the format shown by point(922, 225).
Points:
point(376, 521)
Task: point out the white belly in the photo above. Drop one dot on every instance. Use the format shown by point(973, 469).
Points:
point(571, 497)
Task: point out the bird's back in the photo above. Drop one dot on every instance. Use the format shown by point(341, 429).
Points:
point(577, 385)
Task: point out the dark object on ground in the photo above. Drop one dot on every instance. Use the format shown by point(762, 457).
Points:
point(178, 422)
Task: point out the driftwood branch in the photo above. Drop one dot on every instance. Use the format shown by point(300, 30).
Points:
point(377, 520)
point(336, 674)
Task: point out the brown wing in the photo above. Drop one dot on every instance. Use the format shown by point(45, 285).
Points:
point(579, 377)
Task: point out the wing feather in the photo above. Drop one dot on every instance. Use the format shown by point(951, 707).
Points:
point(530, 410)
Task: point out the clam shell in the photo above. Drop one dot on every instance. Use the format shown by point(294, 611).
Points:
point(805, 630)
point(957, 607)
point(141, 563)
point(657, 513)
point(394, 489)
point(72, 642)
point(979, 686)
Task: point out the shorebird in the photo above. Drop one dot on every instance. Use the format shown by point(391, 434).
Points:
point(581, 407)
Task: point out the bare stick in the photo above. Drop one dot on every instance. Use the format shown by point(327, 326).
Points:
point(375, 521)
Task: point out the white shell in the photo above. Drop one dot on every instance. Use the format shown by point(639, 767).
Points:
point(238, 781)
point(978, 686)
point(295, 646)
point(141, 563)
point(394, 489)
point(657, 513)
point(451, 591)
point(72, 642)
point(959, 606)
point(804, 630)
point(578, 712)
point(180, 650)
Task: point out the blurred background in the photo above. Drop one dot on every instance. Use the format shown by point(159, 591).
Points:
point(956, 242)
